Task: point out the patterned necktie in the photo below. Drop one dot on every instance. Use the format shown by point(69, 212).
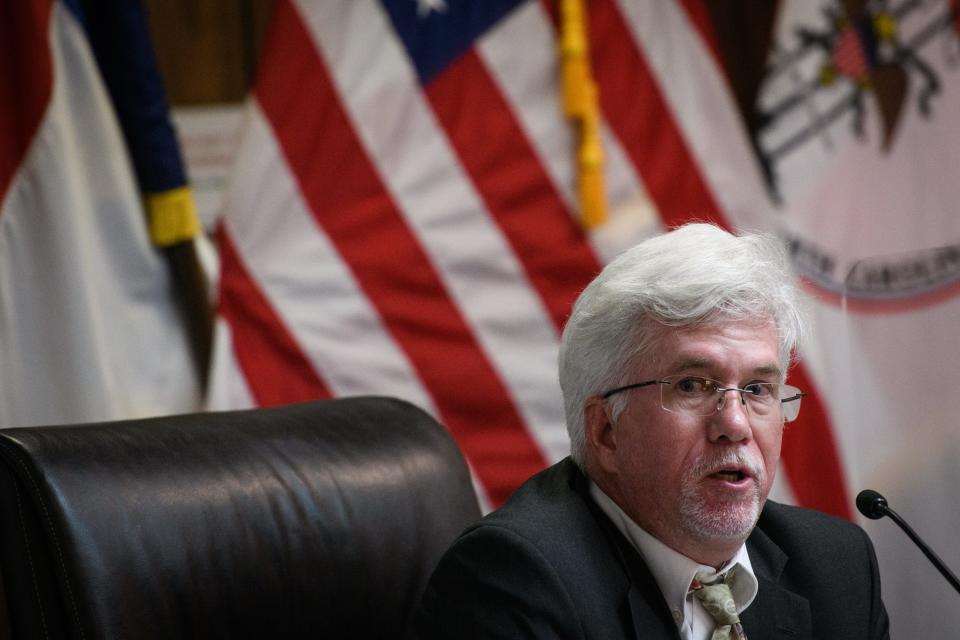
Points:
point(718, 601)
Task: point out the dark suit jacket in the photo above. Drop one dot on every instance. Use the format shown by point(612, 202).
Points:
point(550, 564)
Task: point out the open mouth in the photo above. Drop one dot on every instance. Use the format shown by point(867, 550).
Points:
point(729, 475)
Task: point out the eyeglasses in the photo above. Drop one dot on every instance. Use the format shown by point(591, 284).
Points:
point(697, 396)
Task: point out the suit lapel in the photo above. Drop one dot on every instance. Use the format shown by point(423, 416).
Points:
point(776, 612)
point(645, 605)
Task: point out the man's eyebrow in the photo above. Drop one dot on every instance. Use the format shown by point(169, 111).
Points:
point(696, 362)
point(768, 369)
point(691, 363)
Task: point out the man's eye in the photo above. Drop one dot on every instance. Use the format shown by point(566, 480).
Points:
point(759, 389)
point(693, 385)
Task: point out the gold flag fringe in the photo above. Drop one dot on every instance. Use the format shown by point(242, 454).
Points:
point(580, 105)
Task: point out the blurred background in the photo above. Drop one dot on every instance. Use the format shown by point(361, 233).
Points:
point(216, 204)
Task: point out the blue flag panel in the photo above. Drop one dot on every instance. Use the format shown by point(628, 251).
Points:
point(437, 32)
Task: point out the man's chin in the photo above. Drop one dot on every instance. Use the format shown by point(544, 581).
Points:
point(720, 521)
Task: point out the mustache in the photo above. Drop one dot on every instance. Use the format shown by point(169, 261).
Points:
point(713, 463)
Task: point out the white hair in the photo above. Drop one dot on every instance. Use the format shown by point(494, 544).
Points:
point(695, 275)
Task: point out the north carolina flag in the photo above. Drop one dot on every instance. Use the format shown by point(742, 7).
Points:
point(88, 327)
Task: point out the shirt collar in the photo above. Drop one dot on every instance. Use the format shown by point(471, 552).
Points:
point(674, 571)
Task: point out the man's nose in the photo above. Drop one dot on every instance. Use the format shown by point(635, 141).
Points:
point(732, 418)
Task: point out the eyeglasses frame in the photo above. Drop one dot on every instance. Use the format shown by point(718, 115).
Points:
point(720, 390)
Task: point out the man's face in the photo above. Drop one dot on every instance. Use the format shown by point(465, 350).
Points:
point(698, 482)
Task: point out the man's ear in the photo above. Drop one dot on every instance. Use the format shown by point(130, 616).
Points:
point(600, 435)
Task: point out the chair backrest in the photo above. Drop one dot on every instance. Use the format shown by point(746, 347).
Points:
point(322, 519)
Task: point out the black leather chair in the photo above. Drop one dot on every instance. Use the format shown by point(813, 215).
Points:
point(320, 520)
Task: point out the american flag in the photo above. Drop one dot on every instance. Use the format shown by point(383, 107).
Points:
point(403, 218)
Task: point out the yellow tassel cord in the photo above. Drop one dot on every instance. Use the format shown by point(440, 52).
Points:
point(580, 105)
point(172, 217)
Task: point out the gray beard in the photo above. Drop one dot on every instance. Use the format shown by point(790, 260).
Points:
point(734, 521)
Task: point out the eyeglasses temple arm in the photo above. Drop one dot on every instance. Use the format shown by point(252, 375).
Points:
point(630, 386)
point(792, 398)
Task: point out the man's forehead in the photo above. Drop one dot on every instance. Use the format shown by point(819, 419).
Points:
point(750, 346)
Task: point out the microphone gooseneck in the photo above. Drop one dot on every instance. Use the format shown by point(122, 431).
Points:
point(874, 506)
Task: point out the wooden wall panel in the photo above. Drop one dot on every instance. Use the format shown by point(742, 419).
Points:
point(207, 50)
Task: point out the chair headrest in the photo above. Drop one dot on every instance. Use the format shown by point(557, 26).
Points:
point(280, 521)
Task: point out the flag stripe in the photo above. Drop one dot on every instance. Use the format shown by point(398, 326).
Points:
point(531, 85)
point(26, 84)
point(264, 347)
point(356, 211)
point(513, 184)
point(811, 457)
point(275, 236)
point(634, 107)
point(699, 17)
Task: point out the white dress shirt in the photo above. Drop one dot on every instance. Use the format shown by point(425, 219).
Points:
point(674, 572)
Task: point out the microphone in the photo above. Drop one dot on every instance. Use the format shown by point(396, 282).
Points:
point(874, 506)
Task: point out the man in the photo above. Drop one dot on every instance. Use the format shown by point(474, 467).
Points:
point(672, 366)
